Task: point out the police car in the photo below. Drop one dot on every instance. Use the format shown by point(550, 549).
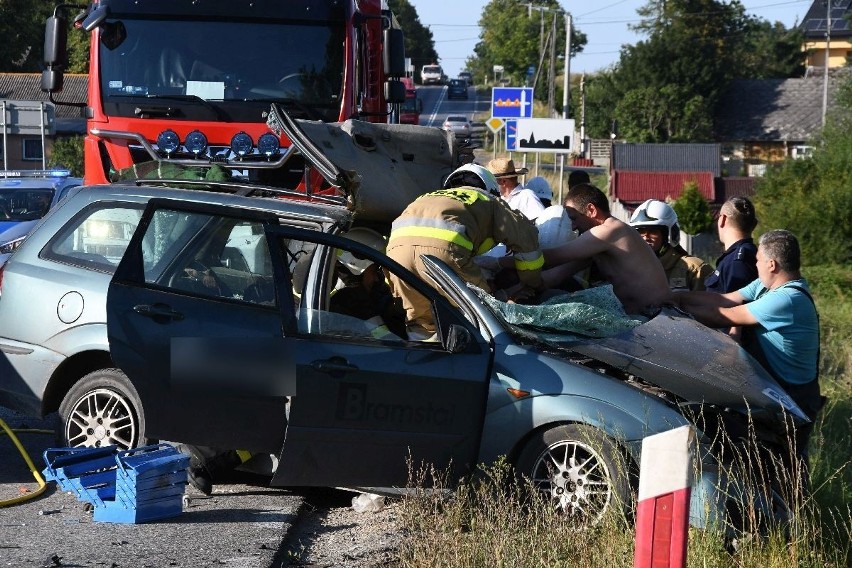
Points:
point(25, 196)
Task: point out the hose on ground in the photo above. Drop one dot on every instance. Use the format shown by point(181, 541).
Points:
point(39, 479)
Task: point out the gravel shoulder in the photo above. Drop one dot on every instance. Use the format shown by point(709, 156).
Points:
point(330, 534)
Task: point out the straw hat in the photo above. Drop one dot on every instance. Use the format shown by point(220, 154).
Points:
point(502, 167)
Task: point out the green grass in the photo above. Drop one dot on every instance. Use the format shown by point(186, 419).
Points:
point(494, 522)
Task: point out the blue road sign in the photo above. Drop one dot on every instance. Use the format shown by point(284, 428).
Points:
point(511, 102)
point(511, 135)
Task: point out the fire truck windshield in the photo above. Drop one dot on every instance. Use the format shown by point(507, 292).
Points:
point(189, 64)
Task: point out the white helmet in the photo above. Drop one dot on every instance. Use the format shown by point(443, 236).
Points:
point(540, 187)
point(473, 175)
point(364, 236)
point(655, 213)
point(554, 227)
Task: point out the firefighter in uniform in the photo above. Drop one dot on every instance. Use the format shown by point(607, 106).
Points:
point(464, 219)
point(656, 221)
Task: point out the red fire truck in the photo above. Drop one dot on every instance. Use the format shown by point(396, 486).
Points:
point(413, 106)
point(193, 82)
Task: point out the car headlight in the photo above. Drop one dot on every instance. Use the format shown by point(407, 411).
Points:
point(10, 246)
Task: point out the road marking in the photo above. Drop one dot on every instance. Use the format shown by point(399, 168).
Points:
point(437, 106)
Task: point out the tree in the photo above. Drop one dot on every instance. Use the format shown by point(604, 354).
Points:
point(511, 36)
point(693, 212)
point(666, 88)
point(419, 44)
point(22, 30)
point(68, 152)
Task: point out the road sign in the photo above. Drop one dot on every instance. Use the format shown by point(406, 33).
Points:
point(494, 124)
point(553, 135)
point(511, 102)
point(511, 135)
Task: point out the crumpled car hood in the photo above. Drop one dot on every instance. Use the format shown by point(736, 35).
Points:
point(382, 167)
point(701, 365)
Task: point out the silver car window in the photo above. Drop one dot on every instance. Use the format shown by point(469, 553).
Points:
point(97, 238)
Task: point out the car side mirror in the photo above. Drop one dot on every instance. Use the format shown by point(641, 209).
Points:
point(55, 54)
point(458, 339)
point(393, 54)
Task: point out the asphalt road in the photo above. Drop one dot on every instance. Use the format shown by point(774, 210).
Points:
point(240, 525)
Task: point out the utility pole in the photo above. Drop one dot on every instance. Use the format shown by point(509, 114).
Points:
point(827, 54)
point(566, 81)
point(551, 84)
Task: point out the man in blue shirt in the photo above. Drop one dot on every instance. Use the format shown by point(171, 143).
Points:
point(779, 321)
point(736, 267)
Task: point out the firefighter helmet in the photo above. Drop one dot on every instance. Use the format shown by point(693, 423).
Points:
point(655, 213)
point(365, 236)
point(474, 175)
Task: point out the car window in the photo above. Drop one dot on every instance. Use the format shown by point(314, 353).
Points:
point(353, 305)
point(20, 204)
point(209, 255)
point(96, 238)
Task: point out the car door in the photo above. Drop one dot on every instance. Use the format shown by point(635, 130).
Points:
point(369, 404)
point(198, 331)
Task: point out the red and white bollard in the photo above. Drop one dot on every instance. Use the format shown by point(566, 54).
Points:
point(662, 514)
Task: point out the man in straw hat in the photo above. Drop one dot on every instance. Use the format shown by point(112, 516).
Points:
point(518, 197)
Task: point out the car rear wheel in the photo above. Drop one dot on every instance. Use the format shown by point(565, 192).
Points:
point(580, 470)
point(102, 409)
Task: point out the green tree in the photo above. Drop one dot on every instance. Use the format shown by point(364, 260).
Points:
point(22, 33)
point(666, 88)
point(811, 196)
point(419, 43)
point(68, 152)
point(511, 36)
point(693, 212)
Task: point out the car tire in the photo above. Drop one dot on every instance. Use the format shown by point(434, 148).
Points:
point(101, 409)
point(580, 469)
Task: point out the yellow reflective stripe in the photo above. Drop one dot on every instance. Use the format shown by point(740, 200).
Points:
point(380, 332)
point(432, 233)
point(533, 264)
point(244, 455)
point(486, 246)
point(459, 194)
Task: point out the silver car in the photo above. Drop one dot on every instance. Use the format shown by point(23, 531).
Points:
point(217, 330)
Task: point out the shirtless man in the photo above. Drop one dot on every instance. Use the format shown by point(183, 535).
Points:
point(620, 254)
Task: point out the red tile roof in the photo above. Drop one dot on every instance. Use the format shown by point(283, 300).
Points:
point(636, 187)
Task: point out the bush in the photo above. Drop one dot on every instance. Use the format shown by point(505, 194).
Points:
point(811, 198)
point(693, 212)
point(68, 152)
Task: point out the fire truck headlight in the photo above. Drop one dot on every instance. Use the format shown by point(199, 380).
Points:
point(268, 144)
point(196, 142)
point(168, 141)
point(241, 144)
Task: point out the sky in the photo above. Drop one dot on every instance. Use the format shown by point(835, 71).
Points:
point(455, 30)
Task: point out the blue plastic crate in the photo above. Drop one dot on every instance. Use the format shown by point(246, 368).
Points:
point(124, 486)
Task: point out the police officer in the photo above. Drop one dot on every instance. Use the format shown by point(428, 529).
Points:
point(738, 265)
point(455, 224)
point(656, 221)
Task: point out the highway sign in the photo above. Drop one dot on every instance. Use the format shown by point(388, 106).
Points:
point(494, 124)
point(511, 135)
point(554, 135)
point(511, 102)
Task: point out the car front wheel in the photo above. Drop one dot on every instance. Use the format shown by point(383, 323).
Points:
point(580, 470)
point(103, 409)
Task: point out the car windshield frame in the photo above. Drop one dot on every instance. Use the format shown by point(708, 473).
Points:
point(172, 61)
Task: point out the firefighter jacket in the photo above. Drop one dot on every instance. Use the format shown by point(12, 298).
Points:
point(466, 220)
point(683, 271)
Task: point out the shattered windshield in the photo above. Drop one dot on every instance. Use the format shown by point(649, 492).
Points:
point(187, 62)
point(593, 312)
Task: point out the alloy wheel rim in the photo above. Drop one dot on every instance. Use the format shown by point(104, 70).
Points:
point(101, 417)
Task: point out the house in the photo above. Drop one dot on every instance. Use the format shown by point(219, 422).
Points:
point(768, 120)
point(30, 122)
point(833, 17)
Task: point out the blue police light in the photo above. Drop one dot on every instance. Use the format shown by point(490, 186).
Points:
point(196, 142)
point(268, 144)
point(168, 141)
point(241, 144)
